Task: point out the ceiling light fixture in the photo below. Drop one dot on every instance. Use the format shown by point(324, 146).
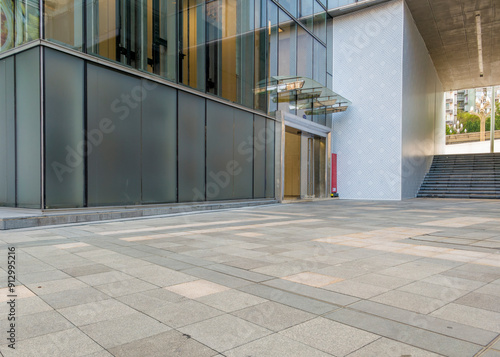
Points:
point(479, 44)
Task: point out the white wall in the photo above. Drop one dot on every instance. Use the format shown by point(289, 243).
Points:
point(423, 100)
point(368, 66)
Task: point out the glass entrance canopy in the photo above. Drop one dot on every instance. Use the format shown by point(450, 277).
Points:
point(304, 95)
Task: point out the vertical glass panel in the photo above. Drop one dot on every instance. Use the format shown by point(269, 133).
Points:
point(287, 45)
point(319, 22)
point(329, 46)
point(290, 6)
point(260, 70)
point(230, 46)
point(159, 144)
point(27, 14)
point(259, 161)
point(64, 124)
point(7, 25)
point(113, 139)
point(137, 33)
point(191, 121)
point(220, 158)
point(319, 63)
point(7, 134)
point(192, 43)
point(272, 54)
point(28, 128)
point(19, 22)
point(306, 13)
point(243, 154)
point(64, 22)
point(305, 55)
point(270, 169)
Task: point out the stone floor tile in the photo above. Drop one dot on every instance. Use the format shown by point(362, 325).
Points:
point(171, 343)
point(56, 286)
point(183, 313)
point(69, 342)
point(150, 300)
point(275, 345)
point(97, 311)
point(39, 324)
point(273, 316)
point(408, 301)
point(354, 288)
point(125, 329)
point(125, 287)
point(472, 316)
point(313, 279)
point(481, 301)
point(196, 289)
point(318, 333)
point(224, 332)
point(231, 300)
point(87, 270)
point(386, 347)
point(73, 297)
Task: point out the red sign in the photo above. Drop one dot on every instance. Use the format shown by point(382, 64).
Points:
point(334, 173)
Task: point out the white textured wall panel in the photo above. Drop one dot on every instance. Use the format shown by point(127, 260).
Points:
point(367, 69)
point(421, 105)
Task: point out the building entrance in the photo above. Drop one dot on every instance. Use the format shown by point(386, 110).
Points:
point(305, 165)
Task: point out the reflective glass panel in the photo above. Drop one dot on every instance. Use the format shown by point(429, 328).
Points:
point(64, 22)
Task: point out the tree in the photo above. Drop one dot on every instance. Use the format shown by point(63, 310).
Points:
point(470, 121)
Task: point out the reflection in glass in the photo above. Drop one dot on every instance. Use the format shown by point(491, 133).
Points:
point(63, 22)
point(137, 33)
point(192, 43)
point(19, 22)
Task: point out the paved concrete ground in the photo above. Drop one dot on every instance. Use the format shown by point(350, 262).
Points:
point(341, 278)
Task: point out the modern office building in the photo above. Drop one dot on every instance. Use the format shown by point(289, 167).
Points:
point(138, 102)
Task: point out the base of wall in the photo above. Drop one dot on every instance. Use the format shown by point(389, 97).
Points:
point(16, 218)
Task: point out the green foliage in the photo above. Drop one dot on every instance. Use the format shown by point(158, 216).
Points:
point(450, 130)
point(497, 119)
point(470, 121)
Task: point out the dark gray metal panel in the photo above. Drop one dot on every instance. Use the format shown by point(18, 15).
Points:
point(114, 125)
point(7, 134)
point(28, 128)
point(191, 148)
point(220, 142)
point(259, 171)
point(159, 144)
point(243, 154)
point(64, 125)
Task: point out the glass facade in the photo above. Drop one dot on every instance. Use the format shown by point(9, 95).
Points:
point(228, 48)
point(97, 136)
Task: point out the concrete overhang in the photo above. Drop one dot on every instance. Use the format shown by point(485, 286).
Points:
point(450, 31)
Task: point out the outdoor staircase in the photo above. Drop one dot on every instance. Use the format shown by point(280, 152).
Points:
point(463, 176)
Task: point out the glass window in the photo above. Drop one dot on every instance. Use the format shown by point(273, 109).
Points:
point(7, 134)
point(306, 13)
point(319, 63)
point(287, 45)
point(230, 50)
point(137, 33)
point(28, 128)
point(19, 21)
point(159, 143)
point(63, 22)
point(192, 43)
point(272, 55)
point(113, 139)
point(64, 124)
point(290, 6)
point(319, 22)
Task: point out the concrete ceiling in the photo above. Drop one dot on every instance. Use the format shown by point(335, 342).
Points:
point(449, 31)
